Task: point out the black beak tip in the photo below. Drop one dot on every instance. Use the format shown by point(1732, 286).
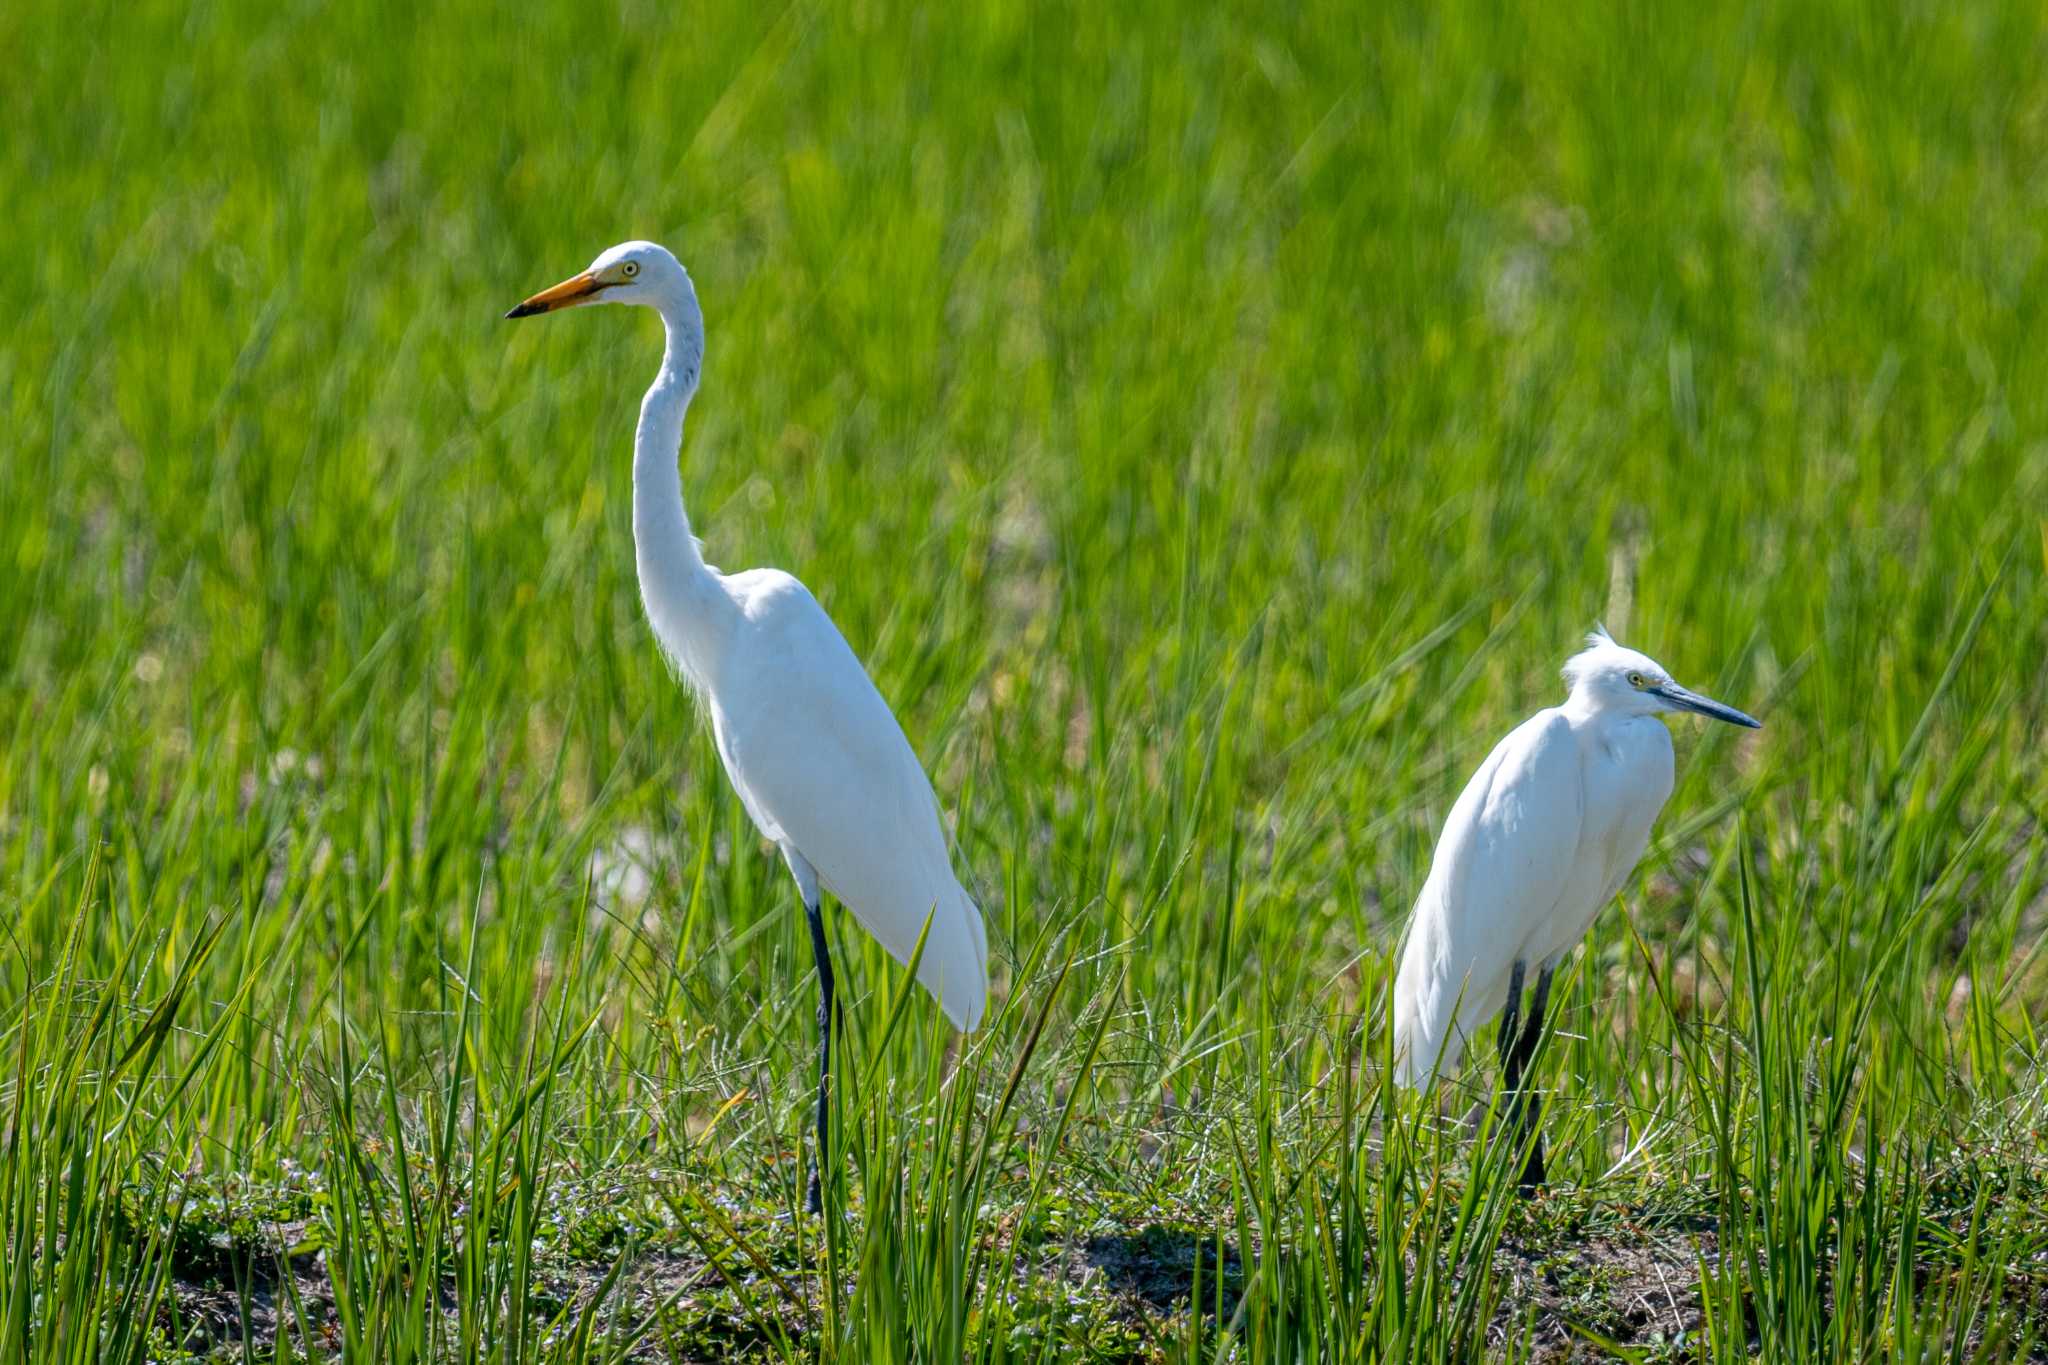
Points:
point(524, 310)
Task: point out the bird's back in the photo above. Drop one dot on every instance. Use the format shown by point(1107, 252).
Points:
point(822, 765)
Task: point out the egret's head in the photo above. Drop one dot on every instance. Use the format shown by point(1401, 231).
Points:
point(631, 272)
point(1605, 676)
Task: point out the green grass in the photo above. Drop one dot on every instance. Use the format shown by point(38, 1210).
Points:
point(1212, 427)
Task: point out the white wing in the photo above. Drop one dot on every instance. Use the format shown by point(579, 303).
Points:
point(823, 768)
point(1507, 855)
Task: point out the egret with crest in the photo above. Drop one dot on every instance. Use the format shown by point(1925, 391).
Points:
point(820, 763)
point(1544, 834)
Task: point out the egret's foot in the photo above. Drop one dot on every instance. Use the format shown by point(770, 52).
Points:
point(1474, 1116)
point(1532, 1172)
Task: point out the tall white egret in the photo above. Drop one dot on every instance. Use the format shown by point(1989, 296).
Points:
point(820, 763)
point(1542, 837)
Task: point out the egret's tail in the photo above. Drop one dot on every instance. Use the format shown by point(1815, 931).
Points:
point(1427, 1041)
point(954, 967)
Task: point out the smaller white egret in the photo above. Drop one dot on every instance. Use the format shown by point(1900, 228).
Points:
point(821, 765)
point(1542, 837)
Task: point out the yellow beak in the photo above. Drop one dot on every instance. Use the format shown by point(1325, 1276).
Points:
point(567, 294)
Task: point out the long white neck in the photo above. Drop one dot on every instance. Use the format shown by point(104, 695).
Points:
point(689, 609)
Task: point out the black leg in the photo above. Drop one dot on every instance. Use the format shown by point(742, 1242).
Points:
point(1539, 1004)
point(812, 1197)
point(1510, 1013)
point(1531, 1104)
point(1510, 1035)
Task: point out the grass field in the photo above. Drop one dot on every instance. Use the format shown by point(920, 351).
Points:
point(1212, 427)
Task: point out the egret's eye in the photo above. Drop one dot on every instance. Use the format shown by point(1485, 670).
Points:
point(1637, 680)
point(632, 269)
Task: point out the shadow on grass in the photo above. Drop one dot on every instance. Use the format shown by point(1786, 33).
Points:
point(1156, 1266)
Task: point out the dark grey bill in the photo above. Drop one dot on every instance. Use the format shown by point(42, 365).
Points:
point(527, 310)
point(1686, 699)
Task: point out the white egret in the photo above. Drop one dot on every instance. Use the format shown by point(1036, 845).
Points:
point(821, 765)
point(1542, 837)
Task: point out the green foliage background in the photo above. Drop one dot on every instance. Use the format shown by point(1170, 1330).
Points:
point(1212, 425)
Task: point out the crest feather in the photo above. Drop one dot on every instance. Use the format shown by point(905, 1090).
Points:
point(1597, 640)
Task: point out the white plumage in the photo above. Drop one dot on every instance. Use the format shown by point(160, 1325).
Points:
point(1543, 835)
point(819, 761)
point(826, 773)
